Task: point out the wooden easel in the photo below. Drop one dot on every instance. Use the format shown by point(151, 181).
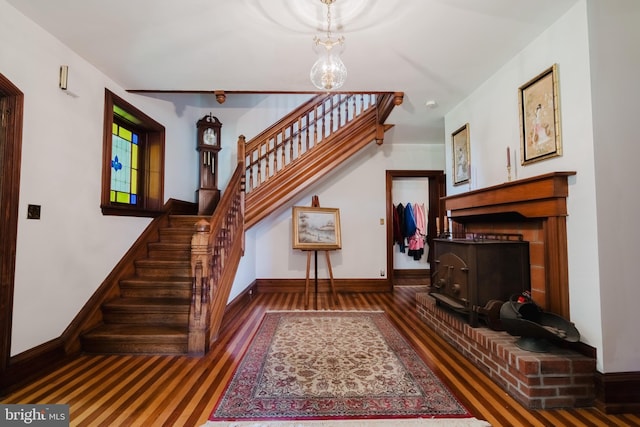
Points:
point(315, 203)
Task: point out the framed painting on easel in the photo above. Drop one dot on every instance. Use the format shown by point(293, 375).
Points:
point(316, 228)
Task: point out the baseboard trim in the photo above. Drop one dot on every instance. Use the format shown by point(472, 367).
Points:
point(618, 392)
point(341, 285)
point(412, 277)
point(412, 272)
point(32, 364)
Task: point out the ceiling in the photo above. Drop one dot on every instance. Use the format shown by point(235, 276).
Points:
point(436, 50)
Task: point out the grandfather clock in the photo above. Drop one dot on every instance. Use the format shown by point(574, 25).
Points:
point(208, 146)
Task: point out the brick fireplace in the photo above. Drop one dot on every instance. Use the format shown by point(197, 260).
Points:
point(536, 209)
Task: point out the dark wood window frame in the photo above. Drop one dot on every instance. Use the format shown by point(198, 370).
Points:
point(151, 158)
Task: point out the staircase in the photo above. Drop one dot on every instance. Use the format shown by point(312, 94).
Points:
point(169, 293)
point(151, 315)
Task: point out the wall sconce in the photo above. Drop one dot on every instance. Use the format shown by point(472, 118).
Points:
point(64, 76)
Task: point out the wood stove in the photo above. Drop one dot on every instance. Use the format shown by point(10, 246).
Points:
point(475, 276)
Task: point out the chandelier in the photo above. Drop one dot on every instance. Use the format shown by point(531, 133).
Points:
point(328, 72)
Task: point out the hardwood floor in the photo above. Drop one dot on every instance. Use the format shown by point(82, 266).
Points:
point(117, 390)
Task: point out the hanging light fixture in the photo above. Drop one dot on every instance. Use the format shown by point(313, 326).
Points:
point(328, 72)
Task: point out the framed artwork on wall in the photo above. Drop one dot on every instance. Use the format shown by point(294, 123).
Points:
point(540, 117)
point(461, 155)
point(316, 228)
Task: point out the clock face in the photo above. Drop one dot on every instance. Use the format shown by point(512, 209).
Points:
point(209, 136)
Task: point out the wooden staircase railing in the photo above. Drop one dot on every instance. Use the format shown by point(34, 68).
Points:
point(216, 248)
point(290, 155)
point(278, 146)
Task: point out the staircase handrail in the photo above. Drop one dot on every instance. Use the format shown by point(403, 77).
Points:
point(274, 128)
point(216, 247)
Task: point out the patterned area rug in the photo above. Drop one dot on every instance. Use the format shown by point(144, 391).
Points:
point(307, 365)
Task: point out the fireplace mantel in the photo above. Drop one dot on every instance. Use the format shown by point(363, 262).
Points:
point(540, 200)
point(537, 197)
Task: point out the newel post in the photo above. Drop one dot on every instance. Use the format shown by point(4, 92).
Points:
point(199, 310)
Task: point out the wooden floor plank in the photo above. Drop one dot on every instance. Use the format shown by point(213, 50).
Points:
point(108, 392)
point(150, 391)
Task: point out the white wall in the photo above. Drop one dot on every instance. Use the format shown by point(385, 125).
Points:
point(62, 258)
point(246, 273)
point(358, 190)
point(492, 111)
point(615, 66)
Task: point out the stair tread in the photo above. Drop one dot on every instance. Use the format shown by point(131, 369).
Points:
point(168, 261)
point(150, 304)
point(178, 230)
point(171, 256)
point(170, 245)
point(159, 281)
point(136, 330)
point(155, 301)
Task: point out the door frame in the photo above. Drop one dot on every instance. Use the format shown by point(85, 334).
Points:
point(11, 118)
point(437, 190)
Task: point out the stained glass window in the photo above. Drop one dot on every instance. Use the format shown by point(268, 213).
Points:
point(124, 165)
point(132, 161)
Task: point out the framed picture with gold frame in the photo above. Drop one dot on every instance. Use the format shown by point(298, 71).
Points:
point(461, 155)
point(540, 117)
point(316, 228)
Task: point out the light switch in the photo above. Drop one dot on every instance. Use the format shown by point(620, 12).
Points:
point(33, 212)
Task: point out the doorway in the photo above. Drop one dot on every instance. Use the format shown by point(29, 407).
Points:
point(436, 190)
point(11, 106)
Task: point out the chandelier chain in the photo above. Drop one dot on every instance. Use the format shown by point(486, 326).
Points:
point(329, 42)
point(329, 20)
